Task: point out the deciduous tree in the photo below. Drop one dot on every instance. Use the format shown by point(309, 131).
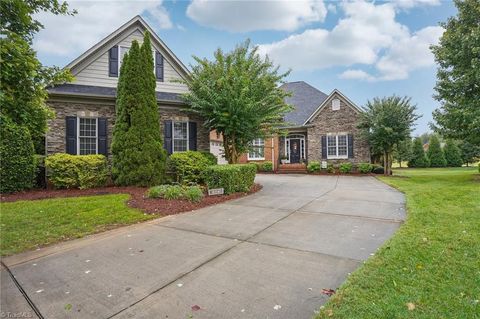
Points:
point(386, 122)
point(238, 95)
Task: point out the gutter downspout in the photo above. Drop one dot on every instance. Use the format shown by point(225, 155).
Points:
point(273, 155)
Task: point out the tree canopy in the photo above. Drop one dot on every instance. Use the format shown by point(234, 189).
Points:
point(386, 122)
point(238, 95)
point(137, 147)
point(458, 75)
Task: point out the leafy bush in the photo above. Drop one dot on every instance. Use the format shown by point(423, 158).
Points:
point(365, 168)
point(193, 193)
point(173, 192)
point(232, 178)
point(17, 161)
point(313, 166)
point(330, 168)
point(377, 169)
point(346, 167)
point(210, 157)
point(189, 167)
point(76, 171)
point(267, 166)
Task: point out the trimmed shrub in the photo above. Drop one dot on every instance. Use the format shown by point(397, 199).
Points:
point(346, 167)
point(232, 178)
point(193, 193)
point(267, 166)
point(173, 192)
point(377, 169)
point(365, 168)
point(213, 160)
point(313, 166)
point(17, 161)
point(189, 167)
point(76, 171)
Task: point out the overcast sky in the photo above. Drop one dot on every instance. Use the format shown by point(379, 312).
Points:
point(364, 49)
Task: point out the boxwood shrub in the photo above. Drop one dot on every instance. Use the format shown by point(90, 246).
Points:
point(17, 161)
point(232, 178)
point(76, 171)
point(191, 193)
point(266, 166)
point(346, 167)
point(189, 167)
point(378, 169)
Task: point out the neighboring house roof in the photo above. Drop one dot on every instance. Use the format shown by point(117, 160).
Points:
point(104, 92)
point(305, 99)
point(137, 20)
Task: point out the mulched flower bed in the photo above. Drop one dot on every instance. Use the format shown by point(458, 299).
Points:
point(138, 199)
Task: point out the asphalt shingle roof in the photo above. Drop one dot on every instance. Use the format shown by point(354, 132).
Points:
point(86, 90)
point(305, 99)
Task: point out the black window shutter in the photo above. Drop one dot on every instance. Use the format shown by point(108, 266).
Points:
point(324, 146)
point(102, 136)
point(158, 66)
point(113, 61)
point(167, 137)
point(350, 146)
point(71, 135)
point(192, 136)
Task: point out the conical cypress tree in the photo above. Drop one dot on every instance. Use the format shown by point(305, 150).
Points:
point(137, 147)
point(453, 155)
point(435, 153)
point(418, 158)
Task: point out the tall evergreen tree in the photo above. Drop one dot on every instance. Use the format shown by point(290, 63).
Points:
point(418, 157)
point(435, 153)
point(403, 151)
point(137, 147)
point(453, 155)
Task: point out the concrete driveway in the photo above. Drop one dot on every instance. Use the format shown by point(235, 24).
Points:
point(267, 255)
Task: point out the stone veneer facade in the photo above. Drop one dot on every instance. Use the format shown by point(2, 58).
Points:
point(328, 121)
point(56, 135)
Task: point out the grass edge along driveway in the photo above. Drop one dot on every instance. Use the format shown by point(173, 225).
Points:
point(431, 267)
point(26, 225)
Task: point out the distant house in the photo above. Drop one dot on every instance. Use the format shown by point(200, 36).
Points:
point(85, 109)
point(320, 128)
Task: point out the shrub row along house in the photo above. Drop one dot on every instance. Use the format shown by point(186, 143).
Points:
point(320, 128)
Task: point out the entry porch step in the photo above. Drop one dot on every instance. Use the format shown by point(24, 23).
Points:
point(296, 168)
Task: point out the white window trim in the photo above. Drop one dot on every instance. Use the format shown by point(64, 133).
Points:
point(336, 146)
point(173, 136)
point(257, 158)
point(78, 133)
point(120, 62)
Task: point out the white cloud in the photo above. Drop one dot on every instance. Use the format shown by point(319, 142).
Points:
point(368, 34)
point(355, 74)
point(245, 16)
point(407, 4)
point(67, 35)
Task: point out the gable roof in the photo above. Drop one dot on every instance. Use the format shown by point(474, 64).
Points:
point(135, 21)
point(321, 106)
point(305, 99)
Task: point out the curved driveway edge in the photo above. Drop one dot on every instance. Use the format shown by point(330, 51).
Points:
point(267, 255)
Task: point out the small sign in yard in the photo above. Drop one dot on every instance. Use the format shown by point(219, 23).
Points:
point(215, 191)
point(324, 164)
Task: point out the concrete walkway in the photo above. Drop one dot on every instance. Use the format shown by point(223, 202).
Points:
point(267, 255)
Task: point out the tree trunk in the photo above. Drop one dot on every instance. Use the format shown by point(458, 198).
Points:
point(385, 164)
point(231, 154)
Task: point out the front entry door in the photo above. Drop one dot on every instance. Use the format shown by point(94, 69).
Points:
point(295, 151)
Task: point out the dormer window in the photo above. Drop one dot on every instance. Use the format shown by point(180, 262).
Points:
point(335, 104)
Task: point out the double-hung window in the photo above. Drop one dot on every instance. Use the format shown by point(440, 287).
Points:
point(180, 136)
point(257, 151)
point(87, 136)
point(337, 146)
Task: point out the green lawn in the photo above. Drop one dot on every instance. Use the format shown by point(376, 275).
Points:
point(27, 225)
point(432, 264)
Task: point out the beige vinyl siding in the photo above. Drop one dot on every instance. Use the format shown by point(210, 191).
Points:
point(96, 72)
